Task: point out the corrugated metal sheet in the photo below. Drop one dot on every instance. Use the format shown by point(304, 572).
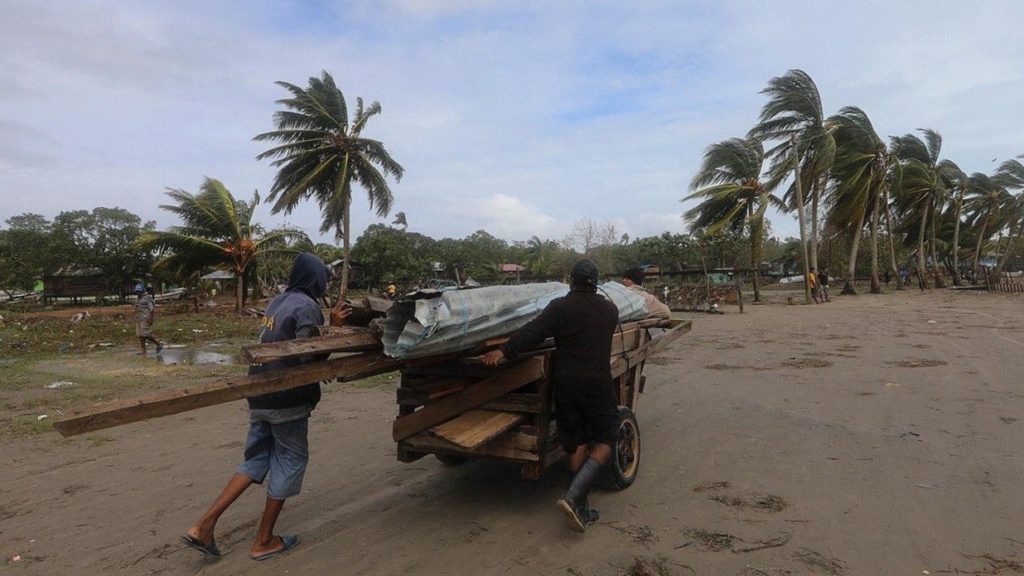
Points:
point(439, 322)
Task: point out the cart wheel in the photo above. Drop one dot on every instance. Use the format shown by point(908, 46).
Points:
point(449, 460)
point(625, 462)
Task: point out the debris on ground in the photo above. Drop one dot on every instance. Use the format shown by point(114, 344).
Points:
point(80, 316)
point(640, 534)
point(767, 502)
point(59, 384)
point(814, 559)
point(714, 541)
point(712, 486)
point(654, 567)
point(762, 544)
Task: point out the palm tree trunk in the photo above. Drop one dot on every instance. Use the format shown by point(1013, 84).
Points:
point(892, 246)
point(346, 219)
point(939, 282)
point(800, 215)
point(755, 241)
point(956, 241)
point(876, 286)
point(920, 247)
point(239, 290)
point(981, 240)
point(1013, 237)
point(849, 285)
point(818, 184)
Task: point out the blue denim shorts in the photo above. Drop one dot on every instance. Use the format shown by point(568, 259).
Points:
point(282, 450)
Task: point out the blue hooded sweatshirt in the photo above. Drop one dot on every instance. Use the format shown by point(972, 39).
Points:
point(294, 314)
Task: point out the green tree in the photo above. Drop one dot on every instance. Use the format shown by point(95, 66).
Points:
point(923, 190)
point(24, 254)
point(1010, 175)
point(320, 154)
point(732, 195)
point(390, 255)
point(218, 231)
point(985, 205)
point(859, 173)
point(794, 109)
point(957, 182)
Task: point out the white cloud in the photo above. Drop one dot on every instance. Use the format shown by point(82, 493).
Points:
point(518, 118)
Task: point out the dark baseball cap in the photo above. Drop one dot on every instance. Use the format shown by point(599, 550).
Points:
point(584, 271)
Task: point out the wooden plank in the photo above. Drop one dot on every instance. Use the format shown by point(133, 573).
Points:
point(633, 358)
point(476, 427)
point(502, 382)
point(349, 340)
point(218, 391)
point(412, 397)
point(529, 403)
point(511, 445)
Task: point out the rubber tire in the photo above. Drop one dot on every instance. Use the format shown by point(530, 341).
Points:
point(449, 460)
point(625, 462)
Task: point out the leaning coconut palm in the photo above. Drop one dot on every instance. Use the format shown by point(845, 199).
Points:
point(859, 174)
point(400, 220)
point(923, 187)
point(218, 232)
point(321, 154)
point(733, 195)
point(957, 182)
point(1010, 175)
point(794, 108)
point(985, 205)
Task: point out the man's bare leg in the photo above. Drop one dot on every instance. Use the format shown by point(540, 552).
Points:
point(265, 539)
point(203, 530)
point(142, 345)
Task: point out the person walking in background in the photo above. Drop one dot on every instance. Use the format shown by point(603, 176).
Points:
point(812, 284)
point(145, 313)
point(823, 286)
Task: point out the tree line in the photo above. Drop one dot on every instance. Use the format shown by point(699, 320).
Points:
point(847, 181)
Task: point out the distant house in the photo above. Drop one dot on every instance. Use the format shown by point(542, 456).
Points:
point(510, 271)
point(78, 283)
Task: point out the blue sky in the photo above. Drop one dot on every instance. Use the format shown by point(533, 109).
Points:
point(519, 118)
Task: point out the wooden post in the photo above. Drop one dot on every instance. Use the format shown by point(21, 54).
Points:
point(739, 292)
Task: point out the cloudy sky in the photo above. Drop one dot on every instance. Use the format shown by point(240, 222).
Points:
point(516, 117)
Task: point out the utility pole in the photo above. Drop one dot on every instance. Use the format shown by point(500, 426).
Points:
point(800, 215)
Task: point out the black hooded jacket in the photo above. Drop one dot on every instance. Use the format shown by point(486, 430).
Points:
point(294, 314)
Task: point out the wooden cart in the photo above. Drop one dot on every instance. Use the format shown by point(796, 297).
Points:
point(460, 410)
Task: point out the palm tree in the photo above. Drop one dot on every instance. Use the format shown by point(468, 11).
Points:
point(401, 221)
point(218, 232)
point(320, 153)
point(794, 108)
point(922, 188)
point(985, 204)
point(957, 182)
point(1010, 175)
point(729, 182)
point(860, 173)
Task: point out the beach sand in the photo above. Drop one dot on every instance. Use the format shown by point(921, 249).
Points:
point(873, 435)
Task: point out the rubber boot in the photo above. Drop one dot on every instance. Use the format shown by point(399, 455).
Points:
point(574, 502)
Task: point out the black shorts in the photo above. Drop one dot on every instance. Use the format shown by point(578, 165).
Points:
point(585, 418)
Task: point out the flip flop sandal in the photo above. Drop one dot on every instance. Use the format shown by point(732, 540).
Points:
point(210, 549)
point(289, 543)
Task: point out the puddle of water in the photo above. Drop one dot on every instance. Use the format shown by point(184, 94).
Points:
point(194, 357)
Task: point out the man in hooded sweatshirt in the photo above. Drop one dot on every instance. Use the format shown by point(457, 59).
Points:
point(277, 443)
point(586, 410)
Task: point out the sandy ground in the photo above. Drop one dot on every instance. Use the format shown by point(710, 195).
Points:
point(874, 435)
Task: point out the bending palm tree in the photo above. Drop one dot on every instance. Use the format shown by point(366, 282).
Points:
point(218, 232)
point(859, 172)
point(985, 205)
point(320, 154)
point(923, 188)
point(729, 181)
point(794, 108)
point(956, 181)
point(1011, 176)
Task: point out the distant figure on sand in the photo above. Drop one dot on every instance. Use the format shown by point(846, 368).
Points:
point(823, 286)
point(812, 284)
point(145, 313)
